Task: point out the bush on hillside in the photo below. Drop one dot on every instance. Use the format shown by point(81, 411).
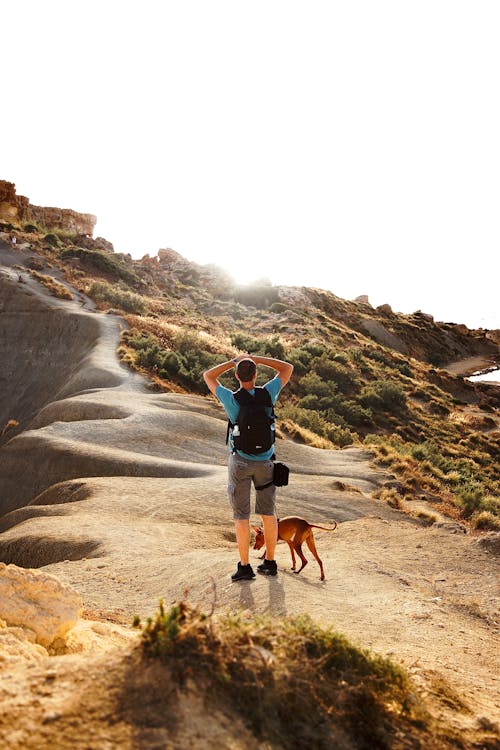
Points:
point(330, 370)
point(486, 521)
point(102, 261)
point(383, 395)
point(266, 347)
point(52, 239)
point(315, 422)
point(185, 364)
point(117, 296)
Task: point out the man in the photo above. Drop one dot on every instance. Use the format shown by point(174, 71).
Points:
point(244, 467)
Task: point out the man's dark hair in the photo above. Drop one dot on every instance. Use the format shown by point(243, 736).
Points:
point(245, 370)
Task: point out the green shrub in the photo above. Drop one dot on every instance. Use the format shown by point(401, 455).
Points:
point(469, 498)
point(309, 401)
point(52, 239)
point(313, 384)
point(103, 261)
point(343, 359)
point(486, 521)
point(333, 371)
point(353, 413)
point(185, 365)
point(273, 347)
point(300, 359)
point(383, 395)
point(266, 347)
point(312, 420)
point(245, 343)
point(491, 505)
point(114, 294)
point(150, 357)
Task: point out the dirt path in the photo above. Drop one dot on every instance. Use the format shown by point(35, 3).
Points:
point(424, 596)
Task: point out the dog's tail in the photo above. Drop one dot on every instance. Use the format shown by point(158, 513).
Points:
point(323, 528)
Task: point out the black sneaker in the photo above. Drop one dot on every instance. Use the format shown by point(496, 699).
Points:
point(268, 568)
point(243, 573)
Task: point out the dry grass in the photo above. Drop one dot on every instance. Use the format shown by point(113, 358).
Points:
point(296, 685)
point(303, 435)
point(55, 288)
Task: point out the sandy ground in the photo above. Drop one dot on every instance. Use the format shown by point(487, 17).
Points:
point(125, 500)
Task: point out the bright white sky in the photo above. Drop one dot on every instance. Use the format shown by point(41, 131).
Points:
point(351, 145)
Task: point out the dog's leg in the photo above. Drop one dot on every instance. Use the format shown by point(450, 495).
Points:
point(298, 550)
point(290, 544)
point(312, 547)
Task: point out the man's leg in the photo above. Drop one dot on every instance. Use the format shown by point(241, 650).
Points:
point(266, 508)
point(243, 539)
point(270, 528)
point(239, 495)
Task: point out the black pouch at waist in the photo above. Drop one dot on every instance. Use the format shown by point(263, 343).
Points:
point(280, 474)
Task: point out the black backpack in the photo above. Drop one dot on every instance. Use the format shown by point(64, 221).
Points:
point(253, 431)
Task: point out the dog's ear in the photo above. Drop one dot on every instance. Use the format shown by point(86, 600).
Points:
point(257, 529)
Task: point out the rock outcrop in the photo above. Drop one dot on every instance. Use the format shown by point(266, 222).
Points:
point(362, 299)
point(17, 209)
point(38, 602)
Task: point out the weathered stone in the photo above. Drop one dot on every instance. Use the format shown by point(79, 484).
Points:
point(39, 602)
point(15, 207)
point(424, 316)
point(167, 255)
point(453, 527)
point(17, 645)
point(362, 300)
point(103, 244)
point(385, 309)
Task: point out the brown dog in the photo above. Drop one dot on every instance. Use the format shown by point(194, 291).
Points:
point(295, 531)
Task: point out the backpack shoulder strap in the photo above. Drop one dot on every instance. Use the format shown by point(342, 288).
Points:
point(262, 396)
point(243, 397)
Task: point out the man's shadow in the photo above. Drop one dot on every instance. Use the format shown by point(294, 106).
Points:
point(246, 597)
point(277, 599)
point(275, 595)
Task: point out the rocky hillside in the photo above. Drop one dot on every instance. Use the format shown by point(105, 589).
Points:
point(113, 510)
point(363, 375)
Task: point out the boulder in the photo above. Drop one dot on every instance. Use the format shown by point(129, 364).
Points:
point(38, 602)
point(424, 316)
point(385, 309)
point(362, 300)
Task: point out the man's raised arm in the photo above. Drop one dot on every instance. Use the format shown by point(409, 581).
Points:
point(211, 376)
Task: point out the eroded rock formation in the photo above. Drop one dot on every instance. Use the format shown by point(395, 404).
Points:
point(17, 209)
point(38, 602)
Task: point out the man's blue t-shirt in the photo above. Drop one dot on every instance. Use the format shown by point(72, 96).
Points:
point(232, 408)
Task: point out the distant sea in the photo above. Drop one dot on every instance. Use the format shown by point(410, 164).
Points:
point(487, 377)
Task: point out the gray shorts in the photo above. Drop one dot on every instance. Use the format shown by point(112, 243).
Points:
point(241, 473)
